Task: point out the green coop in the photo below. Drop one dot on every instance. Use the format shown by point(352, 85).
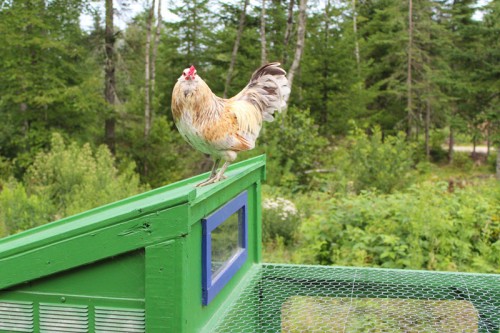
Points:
point(186, 259)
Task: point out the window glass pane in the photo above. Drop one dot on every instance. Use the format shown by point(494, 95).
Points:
point(226, 242)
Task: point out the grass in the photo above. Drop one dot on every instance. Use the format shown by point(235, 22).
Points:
point(327, 314)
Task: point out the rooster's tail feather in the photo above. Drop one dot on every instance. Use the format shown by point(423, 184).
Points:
point(268, 90)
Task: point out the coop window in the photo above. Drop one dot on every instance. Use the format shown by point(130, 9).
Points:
point(224, 248)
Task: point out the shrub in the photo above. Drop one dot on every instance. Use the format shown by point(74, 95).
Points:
point(76, 179)
point(293, 146)
point(20, 211)
point(424, 227)
point(280, 219)
point(462, 161)
point(66, 180)
point(363, 162)
point(164, 157)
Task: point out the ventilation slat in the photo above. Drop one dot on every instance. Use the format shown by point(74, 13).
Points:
point(119, 320)
point(16, 316)
point(62, 328)
point(70, 319)
point(121, 325)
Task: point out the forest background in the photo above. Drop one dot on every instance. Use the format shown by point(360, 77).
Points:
point(361, 166)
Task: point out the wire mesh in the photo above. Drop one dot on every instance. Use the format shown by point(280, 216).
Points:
point(290, 298)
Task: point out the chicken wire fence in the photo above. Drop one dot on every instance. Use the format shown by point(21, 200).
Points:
point(288, 298)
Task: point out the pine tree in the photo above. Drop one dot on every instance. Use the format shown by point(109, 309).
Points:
point(384, 30)
point(193, 28)
point(461, 88)
point(109, 79)
point(48, 79)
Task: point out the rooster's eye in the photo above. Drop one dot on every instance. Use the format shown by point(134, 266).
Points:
point(183, 73)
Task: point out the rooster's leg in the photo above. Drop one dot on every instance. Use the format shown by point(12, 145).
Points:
point(212, 174)
point(220, 175)
point(214, 168)
point(217, 177)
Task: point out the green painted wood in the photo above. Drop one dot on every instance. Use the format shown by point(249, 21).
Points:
point(120, 277)
point(67, 253)
point(165, 278)
point(258, 221)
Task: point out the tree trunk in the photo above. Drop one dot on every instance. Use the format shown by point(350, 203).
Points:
point(488, 140)
point(427, 128)
point(409, 103)
point(263, 50)
point(301, 33)
point(498, 162)
point(355, 30)
point(109, 77)
point(147, 77)
point(325, 89)
point(235, 47)
point(153, 58)
point(288, 31)
point(451, 143)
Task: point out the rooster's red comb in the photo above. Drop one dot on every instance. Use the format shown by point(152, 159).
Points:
point(191, 70)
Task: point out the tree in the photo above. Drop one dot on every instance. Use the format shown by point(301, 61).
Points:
point(235, 47)
point(147, 78)
point(299, 48)
point(462, 87)
point(49, 80)
point(288, 31)
point(355, 31)
point(155, 54)
point(150, 66)
point(384, 34)
point(430, 43)
point(409, 99)
point(193, 29)
point(109, 79)
point(263, 48)
point(489, 75)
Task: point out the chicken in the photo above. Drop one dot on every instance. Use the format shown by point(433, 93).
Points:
point(223, 127)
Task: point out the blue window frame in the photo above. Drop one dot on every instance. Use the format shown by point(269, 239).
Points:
point(224, 245)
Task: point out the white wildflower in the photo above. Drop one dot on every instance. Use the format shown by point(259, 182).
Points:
point(284, 207)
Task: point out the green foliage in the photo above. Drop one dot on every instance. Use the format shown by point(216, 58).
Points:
point(462, 161)
point(64, 181)
point(49, 80)
point(5, 168)
point(425, 227)
point(280, 219)
point(75, 179)
point(292, 143)
point(365, 161)
point(437, 153)
point(164, 157)
point(20, 211)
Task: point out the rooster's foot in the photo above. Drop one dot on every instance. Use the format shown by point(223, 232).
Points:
point(214, 178)
point(211, 180)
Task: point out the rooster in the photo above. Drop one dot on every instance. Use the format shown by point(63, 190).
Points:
point(222, 127)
